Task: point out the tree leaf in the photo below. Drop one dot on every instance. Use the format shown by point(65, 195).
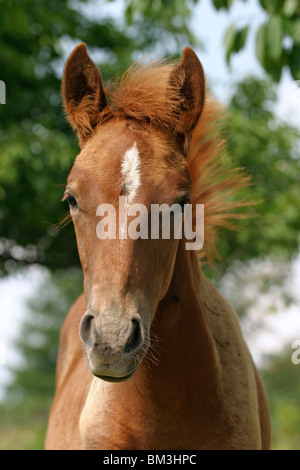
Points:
point(274, 37)
point(275, 69)
point(242, 34)
point(229, 41)
point(129, 14)
point(290, 7)
point(261, 45)
point(234, 40)
point(272, 6)
point(293, 29)
point(266, 5)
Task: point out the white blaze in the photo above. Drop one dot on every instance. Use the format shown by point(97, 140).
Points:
point(130, 171)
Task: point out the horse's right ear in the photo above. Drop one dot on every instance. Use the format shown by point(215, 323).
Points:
point(83, 92)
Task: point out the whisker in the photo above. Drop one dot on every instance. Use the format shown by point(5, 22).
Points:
point(66, 219)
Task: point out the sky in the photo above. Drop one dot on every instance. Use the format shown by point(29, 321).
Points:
point(210, 27)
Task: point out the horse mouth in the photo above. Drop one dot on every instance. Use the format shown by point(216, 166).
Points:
point(109, 378)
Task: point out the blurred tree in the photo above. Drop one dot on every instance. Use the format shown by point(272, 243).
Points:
point(282, 381)
point(38, 339)
point(165, 21)
point(269, 152)
point(25, 408)
point(277, 39)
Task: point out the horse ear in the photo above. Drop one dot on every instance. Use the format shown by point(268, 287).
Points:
point(188, 78)
point(83, 92)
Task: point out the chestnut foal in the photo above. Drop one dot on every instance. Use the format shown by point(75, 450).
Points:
point(159, 361)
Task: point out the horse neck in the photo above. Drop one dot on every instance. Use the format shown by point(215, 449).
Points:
point(182, 346)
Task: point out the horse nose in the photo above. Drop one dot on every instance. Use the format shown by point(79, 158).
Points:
point(114, 336)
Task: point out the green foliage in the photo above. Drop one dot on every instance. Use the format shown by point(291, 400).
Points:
point(282, 380)
point(23, 426)
point(25, 409)
point(269, 47)
point(234, 40)
point(277, 39)
point(161, 21)
point(269, 152)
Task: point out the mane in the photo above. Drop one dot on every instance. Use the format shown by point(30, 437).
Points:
point(217, 183)
point(145, 93)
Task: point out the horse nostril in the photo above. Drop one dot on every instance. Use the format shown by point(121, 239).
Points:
point(135, 337)
point(85, 327)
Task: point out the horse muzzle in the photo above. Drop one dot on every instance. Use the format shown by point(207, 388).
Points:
point(113, 344)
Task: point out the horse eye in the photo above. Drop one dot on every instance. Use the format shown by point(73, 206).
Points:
point(184, 201)
point(72, 201)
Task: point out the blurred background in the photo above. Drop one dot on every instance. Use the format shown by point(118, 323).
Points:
point(250, 51)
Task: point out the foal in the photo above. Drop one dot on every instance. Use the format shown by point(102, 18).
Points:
point(167, 366)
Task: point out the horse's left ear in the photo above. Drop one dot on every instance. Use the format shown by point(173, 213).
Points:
point(83, 93)
point(188, 78)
